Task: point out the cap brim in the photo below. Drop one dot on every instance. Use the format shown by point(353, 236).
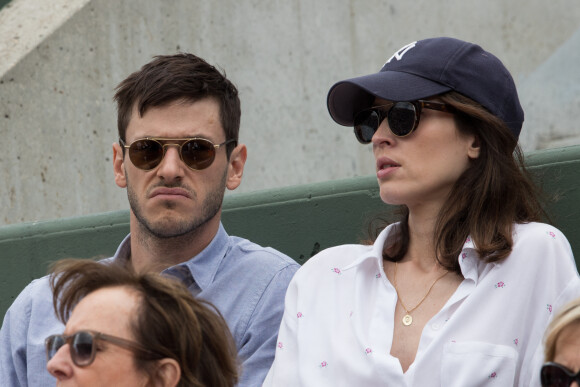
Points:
point(348, 97)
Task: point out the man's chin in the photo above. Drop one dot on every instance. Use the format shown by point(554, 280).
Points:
point(170, 227)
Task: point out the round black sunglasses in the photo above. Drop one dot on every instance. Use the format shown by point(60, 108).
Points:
point(403, 118)
point(556, 375)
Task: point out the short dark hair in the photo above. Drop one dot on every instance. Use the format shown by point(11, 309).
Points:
point(171, 78)
point(170, 321)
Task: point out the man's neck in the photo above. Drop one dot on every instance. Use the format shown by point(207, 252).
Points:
point(152, 254)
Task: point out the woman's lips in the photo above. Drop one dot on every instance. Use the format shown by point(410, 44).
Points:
point(386, 166)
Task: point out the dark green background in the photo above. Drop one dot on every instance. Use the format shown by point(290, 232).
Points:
point(298, 221)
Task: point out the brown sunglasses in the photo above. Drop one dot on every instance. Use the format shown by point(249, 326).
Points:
point(83, 346)
point(197, 153)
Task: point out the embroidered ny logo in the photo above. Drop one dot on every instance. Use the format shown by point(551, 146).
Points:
point(402, 51)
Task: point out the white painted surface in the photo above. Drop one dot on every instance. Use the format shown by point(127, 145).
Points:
point(60, 61)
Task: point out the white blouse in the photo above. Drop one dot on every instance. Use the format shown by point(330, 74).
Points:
point(337, 328)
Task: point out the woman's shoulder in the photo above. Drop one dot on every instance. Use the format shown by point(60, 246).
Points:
point(538, 234)
point(341, 255)
point(335, 259)
point(343, 258)
point(542, 244)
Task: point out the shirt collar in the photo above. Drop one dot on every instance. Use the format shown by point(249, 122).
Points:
point(471, 266)
point(375, 251)
point(203, 267)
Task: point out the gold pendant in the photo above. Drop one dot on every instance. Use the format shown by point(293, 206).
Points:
point(407, 320)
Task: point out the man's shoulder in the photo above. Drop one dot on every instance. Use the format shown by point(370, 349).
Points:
point(251, 253)
point(38, 289)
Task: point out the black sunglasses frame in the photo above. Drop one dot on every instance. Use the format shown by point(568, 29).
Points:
point(163, 142)
point(570, 376)
point(53, 344)
point(364, 130)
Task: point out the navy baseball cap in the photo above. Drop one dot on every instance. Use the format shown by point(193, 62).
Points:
point(429, 67)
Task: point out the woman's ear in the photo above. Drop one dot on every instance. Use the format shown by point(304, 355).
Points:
point(168, 373)
point(474, 148)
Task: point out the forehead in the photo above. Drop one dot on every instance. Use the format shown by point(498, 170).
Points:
point(178, 119)
point(380, 101)
point(568, 347)
point(107, 310)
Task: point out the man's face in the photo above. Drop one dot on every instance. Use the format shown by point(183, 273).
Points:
point(171, 199)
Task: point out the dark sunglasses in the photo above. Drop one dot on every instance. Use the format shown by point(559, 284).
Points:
point(196, 153)
point(403, 118)
point(83, 346)
point(556, 375)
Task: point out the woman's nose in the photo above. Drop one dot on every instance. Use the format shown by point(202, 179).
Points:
point(383, 134)
point(61, 365)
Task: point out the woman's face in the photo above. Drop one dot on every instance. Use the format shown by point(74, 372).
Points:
point(567, 351)
point(420, 169)
point(109, 311)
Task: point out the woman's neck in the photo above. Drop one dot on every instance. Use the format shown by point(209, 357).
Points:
point(422, 239)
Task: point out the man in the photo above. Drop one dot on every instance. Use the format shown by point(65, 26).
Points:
point(178, 121)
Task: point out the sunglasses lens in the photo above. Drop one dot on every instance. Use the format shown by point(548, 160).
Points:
point(402, 118)
point(553, 376)
point(366, 124)
point(82, 347)
point(53, 344)
point(146, 154)
point(198, 153)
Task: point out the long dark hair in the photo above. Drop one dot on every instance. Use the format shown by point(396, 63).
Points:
point(495, 192)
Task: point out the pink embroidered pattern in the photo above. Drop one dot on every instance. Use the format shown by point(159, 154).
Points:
point(463, 256)
point(280, 345)
point(368, 351)
point(336, 270)
point(493, 375)
point(551, 233)
point(378, 275)
point(516, 341)
point(323, 364)
point(500, 284)
point(299, 314)
point(549, 307)
point(468, 240)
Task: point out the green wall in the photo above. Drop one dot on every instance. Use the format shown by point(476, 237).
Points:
point(299, 220)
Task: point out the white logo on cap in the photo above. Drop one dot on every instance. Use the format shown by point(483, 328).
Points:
point(398, 55)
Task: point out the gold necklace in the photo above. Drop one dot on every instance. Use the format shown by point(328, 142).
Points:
point(407, 319)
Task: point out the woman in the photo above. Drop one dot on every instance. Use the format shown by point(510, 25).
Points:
point(128, 329)
point(562, 351)
point(459, 291)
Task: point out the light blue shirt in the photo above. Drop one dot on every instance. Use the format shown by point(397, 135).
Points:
point(246, 282)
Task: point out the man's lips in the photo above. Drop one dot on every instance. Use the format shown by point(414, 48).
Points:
point(169, 192)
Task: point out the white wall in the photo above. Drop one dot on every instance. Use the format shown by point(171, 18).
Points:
point(61, 60)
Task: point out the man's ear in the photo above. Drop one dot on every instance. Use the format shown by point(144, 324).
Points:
point(236, 166)
point(474, 148)
point(167, 373)
point(119, 166)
